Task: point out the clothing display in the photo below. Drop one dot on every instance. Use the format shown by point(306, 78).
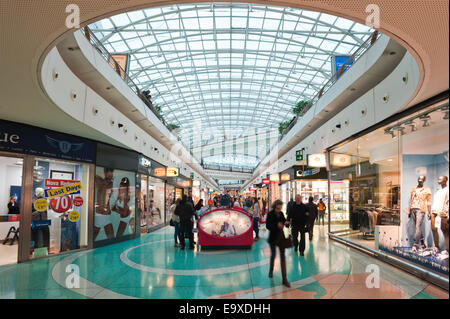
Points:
point(421, 198)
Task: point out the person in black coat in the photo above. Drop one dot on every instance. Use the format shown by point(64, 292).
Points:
point(275, 223)
point(13, 207)
point(313, 212)
point(297, 217)
point(185, 210)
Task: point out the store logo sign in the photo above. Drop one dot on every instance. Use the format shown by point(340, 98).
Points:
point(145, 162)
point(9, 138)
point(172, 172)
point(64, 146)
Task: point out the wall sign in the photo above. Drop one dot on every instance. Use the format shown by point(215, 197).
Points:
point(314, 173)
point(172, 172)
point(316, 160)
point(25, 139)
point(74, 216)
point(285, 177)
point(266, 181)
point(159, 172)
point(299, 155)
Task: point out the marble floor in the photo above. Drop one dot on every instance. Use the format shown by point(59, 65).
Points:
point(151, 267)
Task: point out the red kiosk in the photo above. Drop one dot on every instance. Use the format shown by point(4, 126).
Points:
point(225, 228)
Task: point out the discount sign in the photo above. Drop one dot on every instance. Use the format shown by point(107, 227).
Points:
point(61, 204)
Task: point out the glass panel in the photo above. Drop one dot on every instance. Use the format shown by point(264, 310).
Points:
point(10, 193)
point(114, 203)
point(59, 219)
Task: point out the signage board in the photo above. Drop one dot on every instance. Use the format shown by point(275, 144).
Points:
point(266, 181)
point(172, 172)
point(339, 61)
point(285, 177)
point(299, 155)
point(316, 160)
point(25, 139)
point(159, 172)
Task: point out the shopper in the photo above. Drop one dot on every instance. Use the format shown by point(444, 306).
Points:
point(13, 207)
point(236, 203)
point(275, 224)
point(298, 214)
point(185, 210)
point(176, 221)
point(256, 210)
point(322, 211)
point(313, 212)
point(225, 201)
point(198, 208)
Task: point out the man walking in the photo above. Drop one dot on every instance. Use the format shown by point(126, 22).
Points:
point(297, 217)
point(313, 212)
point(185, 210)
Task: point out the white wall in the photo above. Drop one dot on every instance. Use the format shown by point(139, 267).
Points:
point(10, 175)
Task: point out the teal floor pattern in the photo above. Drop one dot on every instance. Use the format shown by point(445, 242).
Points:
point(151, 267)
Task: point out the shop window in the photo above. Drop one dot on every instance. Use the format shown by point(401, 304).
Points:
point(152, 202)
point(397, 180)
point(114, 203)
point(10, 199)
point(60, 207)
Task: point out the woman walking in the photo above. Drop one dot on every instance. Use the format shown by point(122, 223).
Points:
point(275, 224)
point(256, 216)
point(176, 221)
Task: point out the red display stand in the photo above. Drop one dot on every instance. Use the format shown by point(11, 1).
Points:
point(225, 228)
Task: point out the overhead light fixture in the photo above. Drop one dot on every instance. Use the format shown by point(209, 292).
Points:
point(400, 129)
point(444, 109)
point(426, 120)
point(412, 125)
point(390, 131)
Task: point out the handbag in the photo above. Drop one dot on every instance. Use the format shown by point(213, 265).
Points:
point(285, 242)
point(444, 225)
point(171, 223)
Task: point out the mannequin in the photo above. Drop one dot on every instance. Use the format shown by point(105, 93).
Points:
point(41, 236)
point(439, 212)
point(420, 206)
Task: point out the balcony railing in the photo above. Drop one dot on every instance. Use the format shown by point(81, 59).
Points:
point(359, 52)
point(97, 44)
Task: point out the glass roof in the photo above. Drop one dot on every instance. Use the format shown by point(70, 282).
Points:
point(229, 65)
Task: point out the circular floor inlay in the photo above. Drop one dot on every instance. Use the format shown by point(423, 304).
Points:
point(186, 272)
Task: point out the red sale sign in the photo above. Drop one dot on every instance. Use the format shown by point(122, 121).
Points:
point(61, 204)
point(78, 201)
point(58, 182)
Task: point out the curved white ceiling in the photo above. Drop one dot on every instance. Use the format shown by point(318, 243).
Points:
point(216, 67)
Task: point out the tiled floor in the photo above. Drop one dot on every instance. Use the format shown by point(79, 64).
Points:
point(150, 267)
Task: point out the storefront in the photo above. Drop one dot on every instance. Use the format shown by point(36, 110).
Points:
point(396, 176)
point(117, 182)
point(152, 195)
point(46, 178)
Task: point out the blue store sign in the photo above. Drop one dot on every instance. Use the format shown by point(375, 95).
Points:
point(339, 61)
point(24, 139)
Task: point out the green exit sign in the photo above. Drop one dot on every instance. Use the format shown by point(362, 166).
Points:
point(267, 175)
point(192, 175)
point(299, 155)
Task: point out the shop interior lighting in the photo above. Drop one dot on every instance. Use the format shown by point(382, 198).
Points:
point(444, 109)
point(390, 131)
point(400, 129)
point(412, 125)
point(425, 119)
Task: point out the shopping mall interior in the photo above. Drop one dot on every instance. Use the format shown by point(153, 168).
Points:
point(154, 149)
